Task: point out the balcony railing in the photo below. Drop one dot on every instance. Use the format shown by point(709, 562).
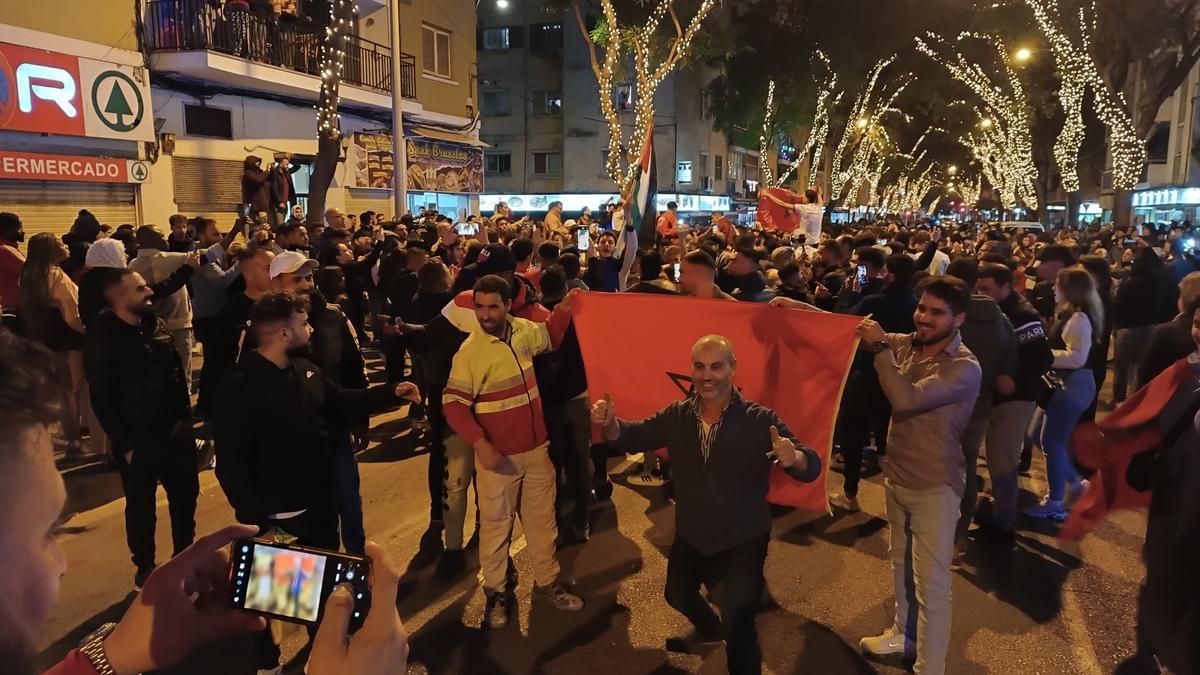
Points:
point(287, 42)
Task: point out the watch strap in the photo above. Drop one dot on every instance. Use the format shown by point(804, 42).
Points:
point(92, 648)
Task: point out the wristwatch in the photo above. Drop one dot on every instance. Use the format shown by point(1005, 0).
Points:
point(92, 647)
point(879, 346)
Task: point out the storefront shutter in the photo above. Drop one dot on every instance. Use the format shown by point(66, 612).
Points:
point(209, 187)
point(52, 206)
point(379, 201)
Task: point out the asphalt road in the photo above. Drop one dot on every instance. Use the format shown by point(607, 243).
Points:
point(1046, 607)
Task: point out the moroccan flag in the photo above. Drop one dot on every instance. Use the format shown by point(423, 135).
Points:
point(1122, 448)
point(776, 218)
point(638, 348)
point(642, 214)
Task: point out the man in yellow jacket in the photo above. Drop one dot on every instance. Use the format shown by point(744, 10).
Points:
point(491, 400)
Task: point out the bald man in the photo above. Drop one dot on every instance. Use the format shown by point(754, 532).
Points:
point(722, 448)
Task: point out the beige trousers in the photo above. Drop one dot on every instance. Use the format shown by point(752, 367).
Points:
point(523, 484)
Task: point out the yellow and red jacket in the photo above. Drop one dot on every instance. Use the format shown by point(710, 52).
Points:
point(492, 392)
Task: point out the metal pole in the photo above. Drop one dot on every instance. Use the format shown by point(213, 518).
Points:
point(399, 150)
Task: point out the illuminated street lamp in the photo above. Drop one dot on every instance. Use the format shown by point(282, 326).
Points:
point(502, 4)
point(986, 123)
point(1023, 54)
point(862, 123)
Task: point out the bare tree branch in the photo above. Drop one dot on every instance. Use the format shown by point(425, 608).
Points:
point(587, 38)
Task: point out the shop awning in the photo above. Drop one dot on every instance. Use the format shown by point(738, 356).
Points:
point(448, 136)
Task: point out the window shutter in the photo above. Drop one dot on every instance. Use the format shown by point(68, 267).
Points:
point(208, 186)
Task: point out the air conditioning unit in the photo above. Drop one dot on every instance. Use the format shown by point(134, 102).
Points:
point(706, 183)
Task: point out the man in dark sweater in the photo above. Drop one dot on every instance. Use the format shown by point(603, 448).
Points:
point(273, 418)
point(1015, 398)
point(1169, 341)
point(140, 396)
point(722, 448)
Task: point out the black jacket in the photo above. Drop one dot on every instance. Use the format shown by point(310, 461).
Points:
point(255, 191)
point(847, 297)
point(283, 190)
point(333, 346)
point(1034, 357)
point(892, 308)
point(1168, 343)
point(136, 383)
point(272, 434)
point(722, 502)
point(91, 298)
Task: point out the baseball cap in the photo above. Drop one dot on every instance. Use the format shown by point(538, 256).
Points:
point(570, 224)
point(494, 259)
point(290, 261)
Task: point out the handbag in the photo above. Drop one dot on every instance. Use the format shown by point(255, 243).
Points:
point(1051, 384)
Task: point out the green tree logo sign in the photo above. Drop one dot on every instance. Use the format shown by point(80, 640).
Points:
point(111, 100)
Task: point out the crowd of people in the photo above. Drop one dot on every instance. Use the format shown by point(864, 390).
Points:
point(974, 340)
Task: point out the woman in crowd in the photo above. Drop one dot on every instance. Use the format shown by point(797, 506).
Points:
point(1078, 324)
point(1138, 306)
point(50, 305)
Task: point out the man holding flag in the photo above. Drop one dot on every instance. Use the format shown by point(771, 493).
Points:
point(722, 448)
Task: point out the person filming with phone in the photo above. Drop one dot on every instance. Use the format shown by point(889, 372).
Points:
point(274, 419)
point(166, 621)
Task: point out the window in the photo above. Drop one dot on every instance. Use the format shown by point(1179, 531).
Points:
point(1156, 147)
point(718, 167)
point(435, 51)
point(546, 39)
point(623, 97)
point(199, 120)
point(545, 102)
point(704, 105)
point(547, 163)
point(497, 102)
point(704, 165)
point(495, 39)
point(498, 163)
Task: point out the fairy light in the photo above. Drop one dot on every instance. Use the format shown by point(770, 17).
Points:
point(827, 100)
point(332, 62)
point(1079, 72)
point(866, 141)
point(764, 137)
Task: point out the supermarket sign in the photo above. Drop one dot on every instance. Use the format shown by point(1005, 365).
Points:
point(32, 166)
point(52, 93)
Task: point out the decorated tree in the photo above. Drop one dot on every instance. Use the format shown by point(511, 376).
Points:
point(342, 16)
point(653, 61)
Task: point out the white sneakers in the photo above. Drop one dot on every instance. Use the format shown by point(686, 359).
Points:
point(889, 643)
point(845, 502)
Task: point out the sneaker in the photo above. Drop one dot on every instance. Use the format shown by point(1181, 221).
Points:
point(1047, 509)
point(603, 491)
point(890, 642)
point(495, 614)
point(1075, 491)
point(647, 478)
point(960, 554)
point(693, 642)
point(845, 502)
point(557, 595)
point(140, 577)
point(420, 426)
point(1026, 458)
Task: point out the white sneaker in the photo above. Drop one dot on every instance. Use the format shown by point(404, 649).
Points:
point(844, 502)
point(648, 477)
point(890, 642)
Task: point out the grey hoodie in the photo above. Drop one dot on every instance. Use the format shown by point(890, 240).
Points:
point(989, 335)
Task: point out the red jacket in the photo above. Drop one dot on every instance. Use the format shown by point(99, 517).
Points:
point(74, 664)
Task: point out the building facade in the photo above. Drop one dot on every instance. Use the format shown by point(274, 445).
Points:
point(214, 86)
point(547, 137)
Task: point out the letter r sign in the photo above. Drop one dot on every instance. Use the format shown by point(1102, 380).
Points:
point(40, 91)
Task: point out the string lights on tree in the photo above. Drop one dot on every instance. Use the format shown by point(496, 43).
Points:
point(764, 137)
point(866, 137)
point(1004, 138)
point(622, 161)
point(1077, 68)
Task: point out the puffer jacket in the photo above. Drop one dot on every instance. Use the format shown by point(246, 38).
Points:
point(989, 335)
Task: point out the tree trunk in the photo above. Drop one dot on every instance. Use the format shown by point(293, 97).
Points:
point(1122, 207)
point(329, 139)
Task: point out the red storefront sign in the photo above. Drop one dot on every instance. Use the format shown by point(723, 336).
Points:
point(32, 166)
point(43, 92)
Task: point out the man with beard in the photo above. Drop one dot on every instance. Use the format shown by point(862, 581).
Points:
point(722, 448)
point(140, 395)
point(335, 350)
point(273, 421)
point(931, 381)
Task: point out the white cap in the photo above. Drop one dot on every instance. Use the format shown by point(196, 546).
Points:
point(290, 261)
point(106, 253)
point(570, 223)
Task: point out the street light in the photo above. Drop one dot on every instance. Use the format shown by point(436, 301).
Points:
point(1023, 54)
point(502, 4)
point(862, 123)
point(952, 169)
point(986, 123)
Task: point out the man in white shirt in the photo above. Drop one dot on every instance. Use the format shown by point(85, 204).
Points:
point(917, 245)
point(811, 214)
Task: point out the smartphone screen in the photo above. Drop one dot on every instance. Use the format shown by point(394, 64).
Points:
point(466, 229)
point(583, 240)
point(861, 275)
point(881, 242)
point(293, 582)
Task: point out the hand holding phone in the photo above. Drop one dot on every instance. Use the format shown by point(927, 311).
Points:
point(293, 583)
point(381, 647)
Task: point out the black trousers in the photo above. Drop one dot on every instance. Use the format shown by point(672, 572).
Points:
point(173, 464)
point(739, 573)
point(210, 375)
point(865, 408)
point(316, 527)
point(436, 473)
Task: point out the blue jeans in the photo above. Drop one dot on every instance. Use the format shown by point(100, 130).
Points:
point(349, 501)
point(1062, 414)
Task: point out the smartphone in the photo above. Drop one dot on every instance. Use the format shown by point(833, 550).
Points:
point(1129, 241)
point(861, 275)
point(1189, 244)
point(583, 239)
point(292, 583)
point(676, 272)
point(881, 242)
point(467, 229)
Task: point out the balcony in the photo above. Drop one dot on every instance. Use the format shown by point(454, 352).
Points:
point(282, 56)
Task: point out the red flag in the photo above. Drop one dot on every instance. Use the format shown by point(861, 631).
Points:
point(775, 217)
point(1119, 448)
point(638, 348)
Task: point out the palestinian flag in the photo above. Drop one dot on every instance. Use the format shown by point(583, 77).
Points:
point(642, 215)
